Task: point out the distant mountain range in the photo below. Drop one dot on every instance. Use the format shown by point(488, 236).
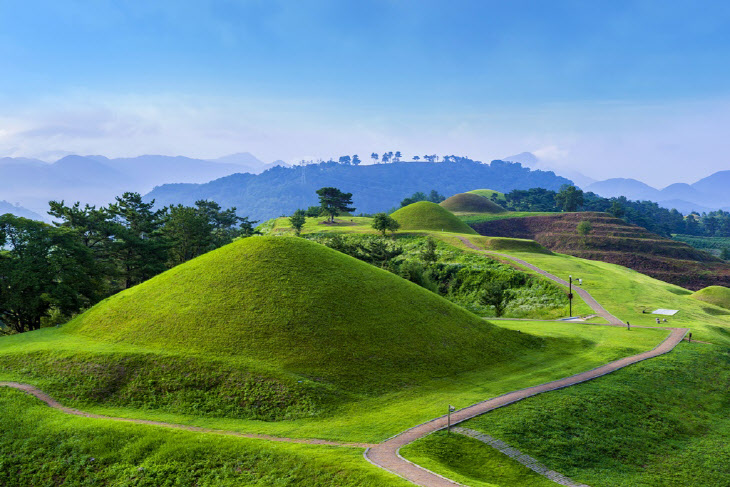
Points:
point(98, 179)
point(708, 194)
point(16, 210)
point(376, 187)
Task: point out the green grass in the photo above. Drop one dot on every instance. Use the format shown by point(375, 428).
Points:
point(626, 293)
point(296, 306)
point(354, 224)
point(42, 446)
point(487, 193)
point(425, 215)
point(471, 203)
point(470, 462)
point(713, 245)
point(473, 218)
point(567, 348)
point(717, 295)
point(659, 422)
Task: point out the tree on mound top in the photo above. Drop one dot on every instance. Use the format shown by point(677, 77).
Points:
point(334, 202)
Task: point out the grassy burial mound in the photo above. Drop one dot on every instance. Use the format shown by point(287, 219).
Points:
point(487, 193)
point(717, 295)
point(425, 215)
point(471, 203)
point(615, 241)
point(300, 308)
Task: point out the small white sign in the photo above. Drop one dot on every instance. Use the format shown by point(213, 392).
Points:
point(667, 312)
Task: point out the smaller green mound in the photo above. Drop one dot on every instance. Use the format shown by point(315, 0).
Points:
point(425, 215)
point(471, 203)
point(515, 244)
point(717, 295)
point(487, 193)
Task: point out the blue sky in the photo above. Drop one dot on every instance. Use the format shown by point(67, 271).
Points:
point(612, 88)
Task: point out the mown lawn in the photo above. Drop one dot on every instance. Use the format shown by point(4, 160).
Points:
point(660, 422)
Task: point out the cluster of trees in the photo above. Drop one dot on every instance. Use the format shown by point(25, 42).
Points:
point(49, 272)
point(388, 157)
point(434, 197)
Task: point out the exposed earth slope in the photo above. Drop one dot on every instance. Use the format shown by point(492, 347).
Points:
point(615, 241)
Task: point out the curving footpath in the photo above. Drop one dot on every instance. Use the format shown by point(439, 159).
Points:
point(386, 456)
point(35, 392)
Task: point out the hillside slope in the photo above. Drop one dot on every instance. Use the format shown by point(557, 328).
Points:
point(615, 241)
point(425, 215)
point(717, 295)
point(471, 203)
point(299, 307)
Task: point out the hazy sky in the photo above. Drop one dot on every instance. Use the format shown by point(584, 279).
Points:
point(611, 88)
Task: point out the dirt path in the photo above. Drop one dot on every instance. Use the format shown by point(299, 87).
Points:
point(34, 391)
point(385, 455)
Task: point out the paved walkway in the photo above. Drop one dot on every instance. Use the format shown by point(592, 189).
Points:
point(385, 455)
point(517, 455)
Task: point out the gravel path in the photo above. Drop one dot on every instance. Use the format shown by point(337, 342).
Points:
point(385, 455)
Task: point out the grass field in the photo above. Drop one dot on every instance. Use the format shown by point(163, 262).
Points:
point(717, 295)
point(714, 245)
point(487, 193)
point(659, 422)
point(315, 353)
point(42, 446)
point(626, 293)
point(471, 218)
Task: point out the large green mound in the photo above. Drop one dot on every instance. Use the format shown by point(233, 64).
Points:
point(717, 295)
point(488, 193)
point(300, 307)
point(425, 215)
point(471, 203)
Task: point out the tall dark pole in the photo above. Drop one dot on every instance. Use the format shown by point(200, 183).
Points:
point(570, 296)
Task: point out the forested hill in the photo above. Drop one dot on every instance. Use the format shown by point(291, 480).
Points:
point(378, 187)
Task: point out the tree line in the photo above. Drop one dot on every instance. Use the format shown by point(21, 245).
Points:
point(50, 272)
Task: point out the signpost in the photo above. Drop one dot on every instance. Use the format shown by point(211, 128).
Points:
point(448, 423)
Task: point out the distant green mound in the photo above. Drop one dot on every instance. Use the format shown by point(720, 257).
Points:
point(471, 203)
point(516, 244)
point(487, 193)
point(299, 307)
point(425, 215)
point(717, 295)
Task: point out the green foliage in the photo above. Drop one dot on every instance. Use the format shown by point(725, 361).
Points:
point(659, 422)
point(717, 295)
point(725, 253)
point(297, 220)
point(584, 228)
point(434, 197)
point(616, 209)
point(42, 446)
point(382, 222)
point(297, 307)
point(458, 276)
point(314, 211)
point(425, 215)
point(43, 269)
point(334, 202)
point(569, 198)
